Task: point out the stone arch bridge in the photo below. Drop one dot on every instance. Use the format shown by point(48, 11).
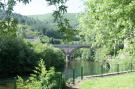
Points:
point(69, 49)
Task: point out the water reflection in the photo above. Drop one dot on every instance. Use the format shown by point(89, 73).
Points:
point(89, 68)
point(93, 68)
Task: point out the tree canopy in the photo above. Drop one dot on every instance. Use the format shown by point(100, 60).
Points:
point(62, 22)
point(109, 25)
point(108, 22)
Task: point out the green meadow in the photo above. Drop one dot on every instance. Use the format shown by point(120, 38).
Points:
point(126, 81)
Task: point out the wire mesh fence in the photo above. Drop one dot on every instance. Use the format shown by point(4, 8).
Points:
point(71, 76)
point(79, 73)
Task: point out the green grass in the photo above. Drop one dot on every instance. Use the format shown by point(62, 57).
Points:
point(126, 81)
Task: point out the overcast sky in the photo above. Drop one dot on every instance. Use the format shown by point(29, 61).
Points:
point(41, 7)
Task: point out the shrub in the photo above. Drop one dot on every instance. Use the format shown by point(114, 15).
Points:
point(42, 79)
point(16, 57)
point(53, 57)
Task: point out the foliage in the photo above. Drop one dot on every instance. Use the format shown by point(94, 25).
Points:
point(16, 57)
point(51, 27)
point(85, 54)
point(43, 24)
point(53, 58)
point(101, 54)
point(108, 23)
point(49, 19)
point(124, 56)
point(42, 79)
point(44, 39)
point(62, 22)
point(88, 54)
point(8, 27)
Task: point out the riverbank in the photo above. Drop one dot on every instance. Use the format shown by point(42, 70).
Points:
point(80, 83)
point(125, 81)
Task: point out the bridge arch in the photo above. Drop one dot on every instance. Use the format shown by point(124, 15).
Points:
point(69, 49)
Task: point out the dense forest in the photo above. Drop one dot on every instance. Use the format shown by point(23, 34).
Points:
point(51, 29)
point(41, 25)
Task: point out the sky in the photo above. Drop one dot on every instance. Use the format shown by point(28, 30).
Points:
point(38, 7)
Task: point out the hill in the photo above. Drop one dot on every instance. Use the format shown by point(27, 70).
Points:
point(49, 19)
point(43, 24)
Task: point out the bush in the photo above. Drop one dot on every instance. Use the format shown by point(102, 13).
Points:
point(16, 57)
point(42, 79)
point(102, 54)
point(53, 57)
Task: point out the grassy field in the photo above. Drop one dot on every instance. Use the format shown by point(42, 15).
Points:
point(125, 81)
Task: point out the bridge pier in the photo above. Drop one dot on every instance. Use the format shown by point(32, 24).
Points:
point(68, 57)
point(68, 49)
point(67, 60)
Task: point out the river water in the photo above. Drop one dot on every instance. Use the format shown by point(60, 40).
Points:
point(89, 68)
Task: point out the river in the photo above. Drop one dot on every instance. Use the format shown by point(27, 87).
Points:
point(90, 68)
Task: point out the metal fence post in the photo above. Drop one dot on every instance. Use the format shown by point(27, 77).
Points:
point(131, 66)
point(81, 73)
point(73, 76)
point(61, 81)
point(118, 69)
point(14, 82)
point(102, 70)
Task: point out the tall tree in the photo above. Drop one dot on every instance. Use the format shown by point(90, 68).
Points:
point(108, 22)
